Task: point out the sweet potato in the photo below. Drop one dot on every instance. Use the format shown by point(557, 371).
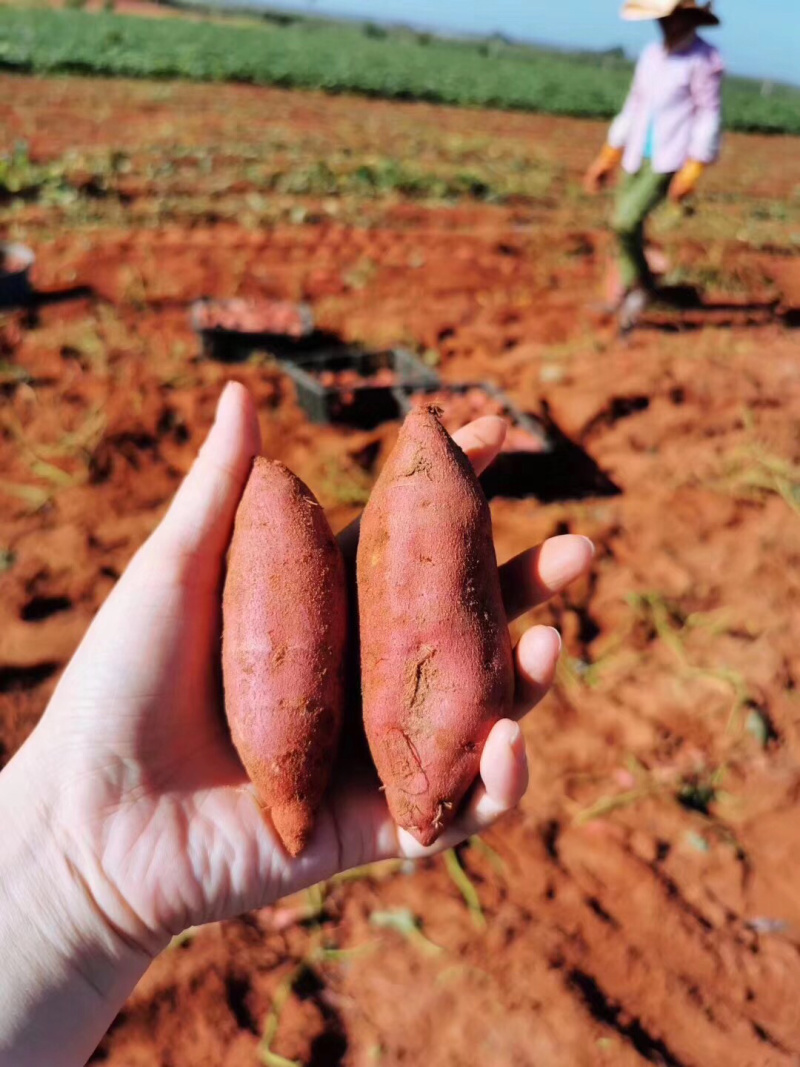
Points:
point(436, 661)
point(283, 647)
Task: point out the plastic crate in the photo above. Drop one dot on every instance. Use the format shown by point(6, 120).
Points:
point(15, 284)
point(231, 346)
point(365, 406)
point(556, 469)
point(540, 438)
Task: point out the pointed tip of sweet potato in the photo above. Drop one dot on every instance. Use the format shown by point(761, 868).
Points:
point(424, 817)
point(294, 824)
point(427, 835)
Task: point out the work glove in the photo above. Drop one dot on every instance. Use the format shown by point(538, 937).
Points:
point(602, 168)
point(685, 181)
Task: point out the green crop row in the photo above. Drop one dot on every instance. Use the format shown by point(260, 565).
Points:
point(341, 58)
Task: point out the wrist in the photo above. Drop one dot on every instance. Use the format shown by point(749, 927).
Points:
point(66, 969)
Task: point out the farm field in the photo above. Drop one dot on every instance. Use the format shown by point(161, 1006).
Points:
point(277, 49)
point(641, 906)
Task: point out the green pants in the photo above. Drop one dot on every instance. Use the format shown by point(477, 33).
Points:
point(639, 195)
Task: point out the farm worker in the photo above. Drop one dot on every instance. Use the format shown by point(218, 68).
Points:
point(126, 815)
point(667, 133)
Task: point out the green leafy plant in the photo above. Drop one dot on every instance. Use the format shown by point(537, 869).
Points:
point(272, 1022)
point(336, 58)
point(466, 888)
point(403, 921)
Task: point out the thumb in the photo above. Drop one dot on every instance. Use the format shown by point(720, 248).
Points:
point(200, 518)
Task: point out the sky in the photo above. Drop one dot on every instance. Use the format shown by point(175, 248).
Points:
point(760, 38)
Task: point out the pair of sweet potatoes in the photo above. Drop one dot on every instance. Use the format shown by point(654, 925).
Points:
point(436, 661)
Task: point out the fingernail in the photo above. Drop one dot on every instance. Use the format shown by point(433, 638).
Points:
point(553, 630)
point(589, 542)
point(513, 737)
point(224, 397)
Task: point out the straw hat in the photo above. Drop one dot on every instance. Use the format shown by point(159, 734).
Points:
point(639, 10)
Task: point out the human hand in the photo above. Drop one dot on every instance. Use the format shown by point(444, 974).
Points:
point(601, 169)
point(685, 181)
point(139, 793)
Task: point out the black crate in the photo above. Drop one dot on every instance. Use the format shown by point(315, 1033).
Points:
point(562, 470)
point(235, 346)
point(364, 406)
point(528, 423)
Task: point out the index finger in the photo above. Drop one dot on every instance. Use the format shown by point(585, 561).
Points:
point(481, 440)
point(539, 573)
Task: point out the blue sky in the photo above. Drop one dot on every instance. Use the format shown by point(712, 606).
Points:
point(759, 37)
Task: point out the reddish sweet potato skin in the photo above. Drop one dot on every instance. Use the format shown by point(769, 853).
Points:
point(283, 647)
point(436, 660)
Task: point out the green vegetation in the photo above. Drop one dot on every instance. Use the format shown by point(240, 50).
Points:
point(754, 474)
point(465, 886)
point(269, 176)
point(340, 57)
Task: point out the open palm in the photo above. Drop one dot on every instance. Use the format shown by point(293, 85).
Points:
point(154, 809)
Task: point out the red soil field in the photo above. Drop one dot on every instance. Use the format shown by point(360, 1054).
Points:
point(641, 907)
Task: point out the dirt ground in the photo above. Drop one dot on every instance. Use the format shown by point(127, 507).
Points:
point(641, 907)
